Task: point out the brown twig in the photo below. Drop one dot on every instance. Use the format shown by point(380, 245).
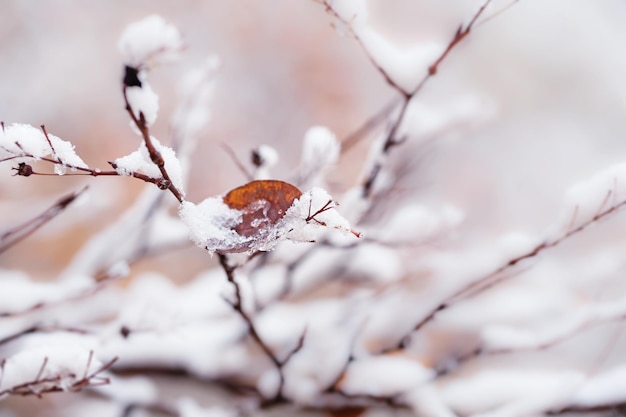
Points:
point(155, 155)
point(392, 139)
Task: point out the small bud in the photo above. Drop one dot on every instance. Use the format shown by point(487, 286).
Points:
point(257, 159)
point(125, 332)
point(131, 77)
point(23, 170)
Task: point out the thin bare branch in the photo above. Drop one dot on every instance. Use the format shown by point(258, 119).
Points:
point(16, 234)
point(237, 162)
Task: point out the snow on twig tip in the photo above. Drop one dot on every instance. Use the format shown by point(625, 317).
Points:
point(150, 41)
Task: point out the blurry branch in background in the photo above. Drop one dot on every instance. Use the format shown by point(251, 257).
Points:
point(237, 305)
point(500, 274)
point(61, 382)
point(41, 328)
point(233, 156)
point(561, 335)
point(392, 139)
point(16, 234)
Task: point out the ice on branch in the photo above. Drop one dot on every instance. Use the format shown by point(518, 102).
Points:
point(140, 162)
point(48, 369)
point(258, 215)
point(19, 141)
point(149, 42)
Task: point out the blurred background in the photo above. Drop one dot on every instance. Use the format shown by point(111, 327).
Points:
point(544, 82)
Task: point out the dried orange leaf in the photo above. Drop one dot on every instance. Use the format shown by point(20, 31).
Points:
point(262, 203)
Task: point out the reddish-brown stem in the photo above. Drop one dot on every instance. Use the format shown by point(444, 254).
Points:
point(392, 138)
point(155, 155)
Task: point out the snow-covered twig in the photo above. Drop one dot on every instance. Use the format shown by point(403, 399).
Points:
point(155, 155)
point(391, 140)
point(48, 381)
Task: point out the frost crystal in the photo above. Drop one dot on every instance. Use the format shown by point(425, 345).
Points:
point(150, 41)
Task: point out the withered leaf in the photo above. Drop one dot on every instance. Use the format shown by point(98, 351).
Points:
point(263, 203)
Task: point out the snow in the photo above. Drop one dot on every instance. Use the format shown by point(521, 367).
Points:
point(510, 392)
point(384, 375)
point(136, 389)
point(415, 222)
point(557, 327)
point(406, 65)
point(423, 121)
point(188, 407)
point(139, 161)
point(268, 383)
point(64, 365)
point(425, 400)
point(150, 41)
point(604, 388)
point(143, 100)
point(211, 224)
point(375, 262)
point(268, 158)
point(19, 292)
point(28, 142)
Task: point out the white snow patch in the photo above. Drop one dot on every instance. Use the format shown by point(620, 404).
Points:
point(28, 142)
point(605, 388)
point(384, 376)
point(150, 41)
point(143, 100)
point(139, 161)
